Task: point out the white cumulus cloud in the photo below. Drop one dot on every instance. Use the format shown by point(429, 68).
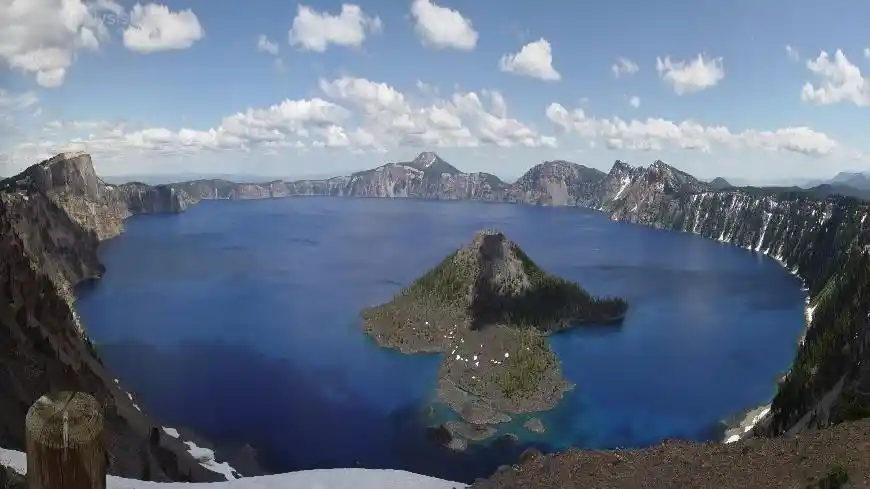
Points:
point(624, 66)
point(655, 133)
point(460, 121)
point(535, 59)
point(841, 81)
point(43, 37)
point(315, 31)
point(690, 76)
point(356, 115)
point(441, 27)
point(155, 28)
point(634, 101)
point(792, 53)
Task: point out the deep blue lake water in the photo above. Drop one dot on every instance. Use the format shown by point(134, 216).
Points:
point(239, 319)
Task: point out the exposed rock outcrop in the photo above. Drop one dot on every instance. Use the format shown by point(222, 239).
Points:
point(52, 217)
point(556, 183)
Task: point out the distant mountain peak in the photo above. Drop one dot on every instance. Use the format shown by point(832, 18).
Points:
point(430, 162)
point(661, 165)
point(426, 159)
point(620, 165)
point(720, 183)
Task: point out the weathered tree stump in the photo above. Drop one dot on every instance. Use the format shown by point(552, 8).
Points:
point(65, 445)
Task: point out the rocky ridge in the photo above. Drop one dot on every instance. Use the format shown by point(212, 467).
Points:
point(819, 237)
point(426, 177)
point(52, 218)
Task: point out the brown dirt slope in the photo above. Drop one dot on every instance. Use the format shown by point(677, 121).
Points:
point(800, 462)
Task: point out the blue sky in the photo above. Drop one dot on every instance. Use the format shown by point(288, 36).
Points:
point(182, 86)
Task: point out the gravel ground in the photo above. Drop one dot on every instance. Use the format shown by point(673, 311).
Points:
point(760, 463)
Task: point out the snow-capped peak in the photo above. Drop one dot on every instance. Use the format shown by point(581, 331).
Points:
point(426, 159)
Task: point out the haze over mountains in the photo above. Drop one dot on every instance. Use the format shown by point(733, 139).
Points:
point(164, 178)
point(429, 176)
point(429, 167)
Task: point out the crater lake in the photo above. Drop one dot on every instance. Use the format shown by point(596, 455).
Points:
point(240, 320)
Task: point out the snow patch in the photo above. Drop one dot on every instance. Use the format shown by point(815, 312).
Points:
point(205, 457)
point(700, 201)
point(626, 180)
point(171, 432)
point(808, 312)
point(306, 479)
point(767, 216)
point(751, 419)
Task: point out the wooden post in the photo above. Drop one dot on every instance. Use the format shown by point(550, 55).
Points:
point(64, 440)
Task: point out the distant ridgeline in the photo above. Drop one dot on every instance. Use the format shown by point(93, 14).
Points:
point(820, 237)
point(487, 307)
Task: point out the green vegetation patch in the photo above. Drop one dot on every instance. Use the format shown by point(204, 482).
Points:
point(850, 407)
point(835, 478)
point(530, 364)
point(553, 303)
point(446, 284)
point(840, 309)
point(418, 318)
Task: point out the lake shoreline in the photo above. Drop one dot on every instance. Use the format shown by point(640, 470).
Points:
point(149, 289)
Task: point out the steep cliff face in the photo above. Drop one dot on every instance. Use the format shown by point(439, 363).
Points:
point(643, 191)
point(428, 176)
point(557, 183)
point(52, 217)
point(138, 198)
point(824, 241)
point(69, 180)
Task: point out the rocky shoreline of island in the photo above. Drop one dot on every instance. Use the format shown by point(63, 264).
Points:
point(488, 309)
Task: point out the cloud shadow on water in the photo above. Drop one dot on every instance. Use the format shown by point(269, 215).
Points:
point(297, 417)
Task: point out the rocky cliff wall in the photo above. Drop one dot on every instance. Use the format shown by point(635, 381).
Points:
point(56, 213)
point(550, 183)
point(52, 217)
point(824, 241)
